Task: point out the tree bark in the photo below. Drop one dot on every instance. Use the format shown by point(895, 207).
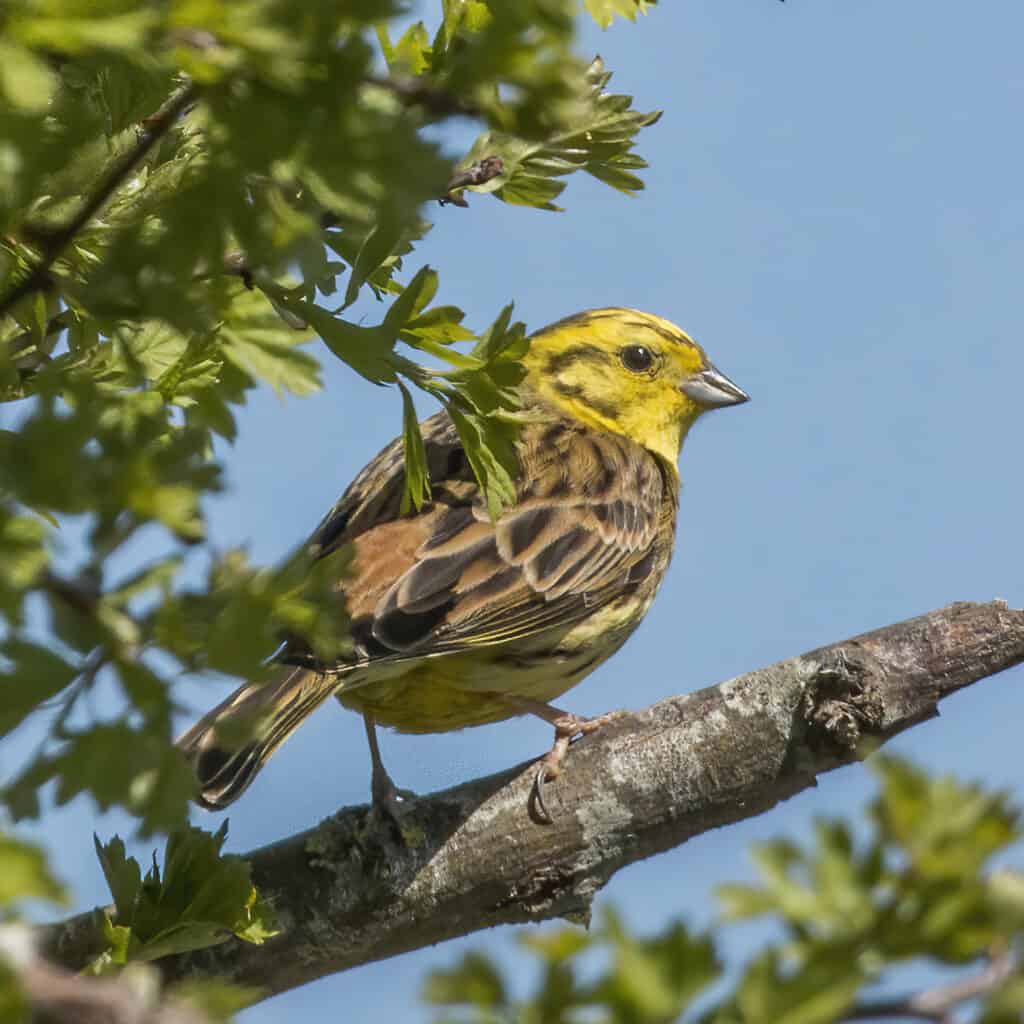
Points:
point(357, 888)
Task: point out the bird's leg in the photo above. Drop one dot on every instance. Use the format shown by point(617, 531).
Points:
point(386, 795)
point(567, 727)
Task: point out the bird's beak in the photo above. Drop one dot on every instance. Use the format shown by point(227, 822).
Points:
point(712, 389)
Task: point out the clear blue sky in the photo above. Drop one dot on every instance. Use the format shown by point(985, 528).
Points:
point(835, 209)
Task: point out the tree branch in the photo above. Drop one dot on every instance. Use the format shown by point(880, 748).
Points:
point(53, 994)
point(54, 242)
point(352, 890)
point(475, 174)
point(937, 1004)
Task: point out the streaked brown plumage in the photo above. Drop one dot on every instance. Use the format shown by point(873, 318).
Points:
point(458, 621)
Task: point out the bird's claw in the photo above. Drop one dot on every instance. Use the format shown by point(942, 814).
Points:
point(567, 728)
point(388, 799)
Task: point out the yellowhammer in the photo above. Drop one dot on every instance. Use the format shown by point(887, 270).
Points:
point(458, 620)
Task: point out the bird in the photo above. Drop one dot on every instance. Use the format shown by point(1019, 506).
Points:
point(459, 618)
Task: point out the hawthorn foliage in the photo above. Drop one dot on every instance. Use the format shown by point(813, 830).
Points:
point(193, 196)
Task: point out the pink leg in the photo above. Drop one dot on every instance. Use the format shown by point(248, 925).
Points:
point(567, 727)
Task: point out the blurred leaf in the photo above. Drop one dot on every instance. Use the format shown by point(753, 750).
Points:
point(147, 777)
point(948, 828)
point(654, 978)
point(25, 80)
point(25, 874)
point(475, 981)
point(218, 1001)
point(604, 12)
point(37, 675)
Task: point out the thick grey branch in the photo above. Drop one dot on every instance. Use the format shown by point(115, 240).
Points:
point(351, 890)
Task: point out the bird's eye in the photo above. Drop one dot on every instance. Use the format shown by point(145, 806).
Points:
point(637, 358)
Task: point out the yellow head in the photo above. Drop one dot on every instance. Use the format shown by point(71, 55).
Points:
point(628, 372)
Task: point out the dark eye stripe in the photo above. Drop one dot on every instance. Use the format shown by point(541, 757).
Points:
point(578, 353)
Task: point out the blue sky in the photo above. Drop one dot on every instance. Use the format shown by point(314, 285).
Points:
point(834, 209)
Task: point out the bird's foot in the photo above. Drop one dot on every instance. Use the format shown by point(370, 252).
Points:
point(388, 799)
point(568, 728)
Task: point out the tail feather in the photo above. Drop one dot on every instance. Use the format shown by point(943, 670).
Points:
point(274, 710)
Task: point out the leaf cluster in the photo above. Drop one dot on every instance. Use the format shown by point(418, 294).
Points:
point(201, 898)
point(198, 199)
point(195, 200)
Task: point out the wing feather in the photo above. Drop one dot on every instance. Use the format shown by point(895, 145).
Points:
point(582, 532)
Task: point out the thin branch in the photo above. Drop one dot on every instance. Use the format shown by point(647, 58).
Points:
point(54, 994)
point(77, 594)
point(353, 890)
point(54, 242)
point(937, 1004)
point(476, 174)
point(414, 91)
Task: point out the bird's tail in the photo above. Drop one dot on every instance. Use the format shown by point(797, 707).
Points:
point(262, 716)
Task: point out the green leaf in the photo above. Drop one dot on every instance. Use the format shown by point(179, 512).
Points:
point(36, 676)
point(948, 828)
point(25, 80)
point(217, 1000)
point(148, 777)
point(475, 981)
point(123, 875)
point(200, 898)
point(367, 350)
point(604, 12)
point(270, 355)
point(490, 448)
point(654, 978)
point(597, 138)
point(25, 874)
point(817, 994)
point(378, 246)
point(441, 324)
point(417, 478)
point(74, 34)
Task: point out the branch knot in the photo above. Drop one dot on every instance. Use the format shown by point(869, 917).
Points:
point(840, 701)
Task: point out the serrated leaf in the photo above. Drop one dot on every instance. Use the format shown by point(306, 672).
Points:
point(123, 875)
point(199, 899)
point(378, 245)
point(604, 12)
point(490, 449)
point(271, 356)
point(417, 479)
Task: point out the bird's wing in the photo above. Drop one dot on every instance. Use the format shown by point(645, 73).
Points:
point(581, 533)
point(374, 498)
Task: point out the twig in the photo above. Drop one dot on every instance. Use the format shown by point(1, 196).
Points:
point(53, 243)
point(59, 995)
point(475, 174)
point(414, 91)
point(76, 594)
point(937, 1004)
